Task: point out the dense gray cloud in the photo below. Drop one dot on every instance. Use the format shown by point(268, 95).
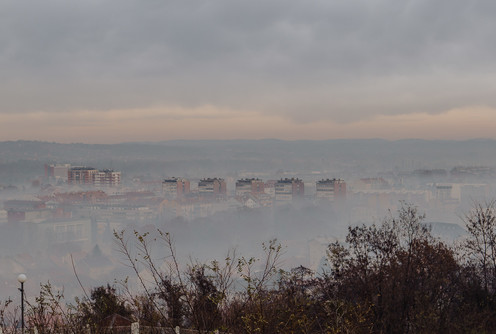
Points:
point(318, 59)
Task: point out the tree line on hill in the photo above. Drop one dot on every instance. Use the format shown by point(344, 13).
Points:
point(392, 277)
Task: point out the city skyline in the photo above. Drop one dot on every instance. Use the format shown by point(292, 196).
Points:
point(116, 71)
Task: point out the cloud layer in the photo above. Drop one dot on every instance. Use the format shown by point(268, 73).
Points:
point(299, 61)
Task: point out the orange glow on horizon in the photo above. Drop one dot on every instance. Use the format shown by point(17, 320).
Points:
point(156, 124)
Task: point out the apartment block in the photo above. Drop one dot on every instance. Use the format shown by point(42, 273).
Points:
point(330, 189)
point(107, 177)
point(57, 172)
point(175, 187)
point(246, 187)
point(93, 176)
point(212, 187)
point(287, 190)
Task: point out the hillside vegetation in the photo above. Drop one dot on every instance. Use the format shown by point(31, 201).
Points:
point(393, 277)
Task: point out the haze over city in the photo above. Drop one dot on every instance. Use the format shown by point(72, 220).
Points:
point(117, 71)
point(253, 166)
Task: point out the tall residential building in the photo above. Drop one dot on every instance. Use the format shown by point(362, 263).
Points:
point(330, 189)
point(249, 187)
point(212, 187)
point(92, 176)
point(107, 177)
point(175, 188)
point(287, 190)
point(81, 175)
point(57, 172)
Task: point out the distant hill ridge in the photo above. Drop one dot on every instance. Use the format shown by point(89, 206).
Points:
point(363, 156)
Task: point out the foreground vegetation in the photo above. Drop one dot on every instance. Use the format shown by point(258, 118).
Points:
point(394, 277)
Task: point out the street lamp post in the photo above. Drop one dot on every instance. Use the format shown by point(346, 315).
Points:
point(22, 278)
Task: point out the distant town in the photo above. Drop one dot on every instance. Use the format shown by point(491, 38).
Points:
point(69, 191)
point(64, 208)
point(75, 203)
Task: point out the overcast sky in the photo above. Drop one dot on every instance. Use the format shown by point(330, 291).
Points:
point(122, 70)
